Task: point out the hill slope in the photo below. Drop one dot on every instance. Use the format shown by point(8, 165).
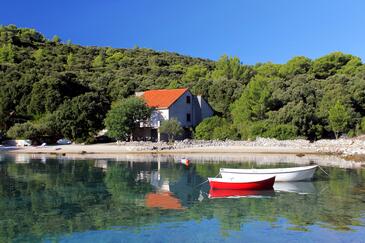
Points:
point(57, 89)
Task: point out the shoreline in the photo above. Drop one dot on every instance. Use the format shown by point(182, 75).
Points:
point(342, 147)
point(105, 149)
point(198, 158)
point(349, 153)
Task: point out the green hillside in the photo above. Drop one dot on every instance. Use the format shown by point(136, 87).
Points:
point(53, 89)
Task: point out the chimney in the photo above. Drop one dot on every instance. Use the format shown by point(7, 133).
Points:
point(138, 94)
point(199, 98)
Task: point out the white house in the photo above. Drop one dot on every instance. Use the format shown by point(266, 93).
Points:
point(181, 104)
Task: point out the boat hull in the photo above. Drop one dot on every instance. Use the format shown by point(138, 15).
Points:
point(221, 183)
point(282, 174)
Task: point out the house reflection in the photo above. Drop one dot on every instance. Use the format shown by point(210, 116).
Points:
point(101, 163)
point(190, 187)
point(162, 200)
point(22, 158)
point(175, 186)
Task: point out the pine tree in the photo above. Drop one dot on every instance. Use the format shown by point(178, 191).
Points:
point(7, 53)
point(338, 118)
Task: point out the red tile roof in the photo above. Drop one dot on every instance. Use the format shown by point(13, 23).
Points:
point(162, 98)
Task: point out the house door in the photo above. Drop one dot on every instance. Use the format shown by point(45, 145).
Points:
point(154, 135)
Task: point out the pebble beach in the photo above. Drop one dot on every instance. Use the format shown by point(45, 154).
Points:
point(347, 148)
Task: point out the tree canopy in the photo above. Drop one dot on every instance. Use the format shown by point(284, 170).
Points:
point(44, 80)
point(124, 116)
point(338, 118)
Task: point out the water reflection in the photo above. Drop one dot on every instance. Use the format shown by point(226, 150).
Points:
point(22, 158)
point(240, 193)
point(163, 200)
point(300, 187)
point(50, 197)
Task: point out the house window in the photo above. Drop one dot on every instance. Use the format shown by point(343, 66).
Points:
point(188, 117)
point(187, 99)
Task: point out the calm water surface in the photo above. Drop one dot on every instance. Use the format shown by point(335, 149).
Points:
point(64, 200)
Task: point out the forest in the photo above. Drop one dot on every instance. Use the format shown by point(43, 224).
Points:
point(50, 89)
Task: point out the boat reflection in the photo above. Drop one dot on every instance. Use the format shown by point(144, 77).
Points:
point(300, 187)
point(240, 193)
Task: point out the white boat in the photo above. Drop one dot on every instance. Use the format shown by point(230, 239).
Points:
point(303, 173)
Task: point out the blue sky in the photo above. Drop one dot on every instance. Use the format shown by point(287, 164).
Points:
point(253, 30)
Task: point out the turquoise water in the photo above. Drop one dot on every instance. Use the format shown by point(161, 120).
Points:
point(64, 200)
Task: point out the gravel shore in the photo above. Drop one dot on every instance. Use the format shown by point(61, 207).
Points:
point(349, 153)
point(343, 147)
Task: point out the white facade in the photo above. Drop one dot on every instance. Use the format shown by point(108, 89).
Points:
point(188, 109)
point(158, 116)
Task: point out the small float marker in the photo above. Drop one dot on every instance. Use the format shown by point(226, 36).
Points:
point(185, 162)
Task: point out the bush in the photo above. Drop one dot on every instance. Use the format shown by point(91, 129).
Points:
point(226, 131)
point(269, 130)
point(281, 132)
point(206, 128)
point(23, 131)
point(257, 129)
point(215, 128)
point(44, 129)
point(172, 128)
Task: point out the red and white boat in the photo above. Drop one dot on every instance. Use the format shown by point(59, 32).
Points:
point(241, 184)
point(303, 173)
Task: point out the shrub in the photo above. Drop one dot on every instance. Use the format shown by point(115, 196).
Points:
point(172, 128)
point(281, 132)
point(23, 131)
point(257, 129)
point(226, 131)
point(206, 128)
point(215, 128)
